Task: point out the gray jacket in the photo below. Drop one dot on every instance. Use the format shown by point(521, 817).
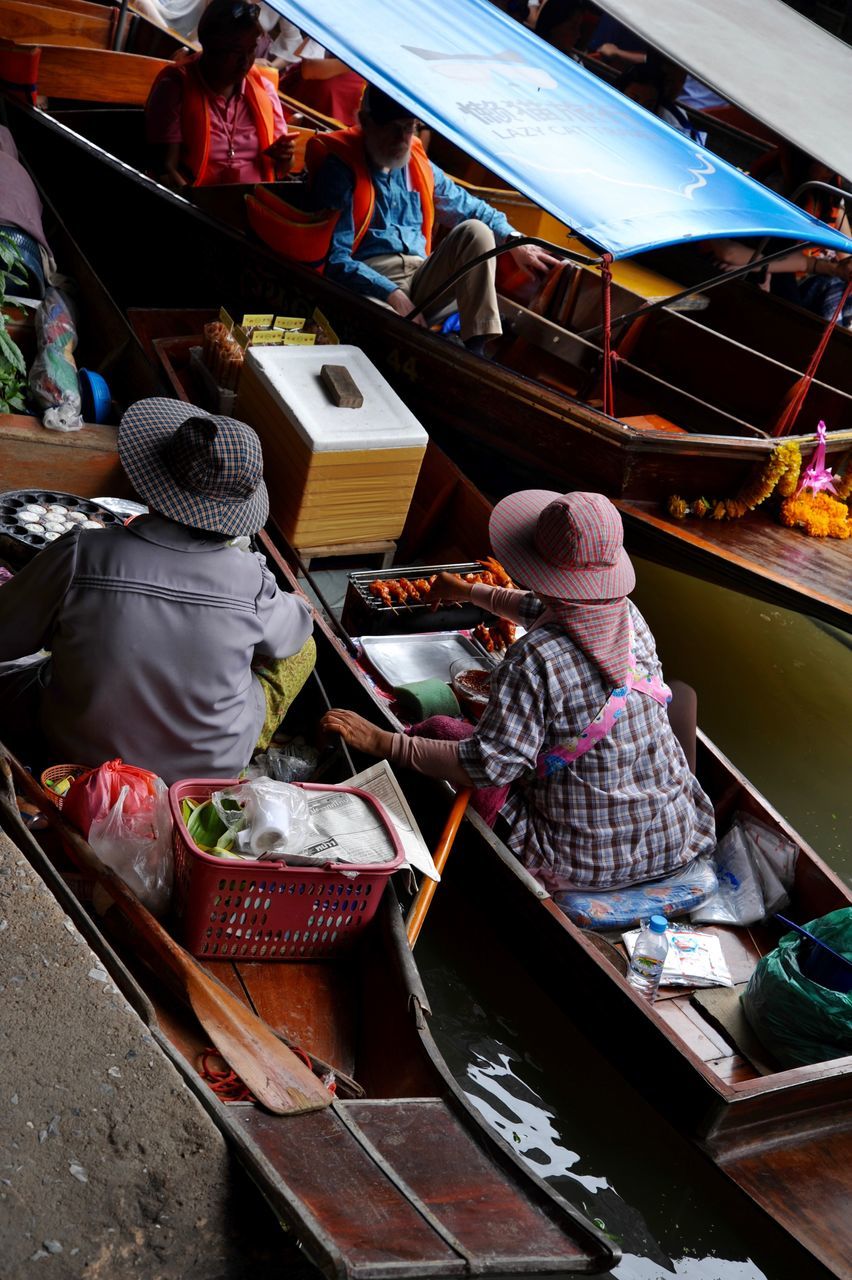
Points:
point(152, 632)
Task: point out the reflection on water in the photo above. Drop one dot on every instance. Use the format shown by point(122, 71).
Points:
point(499, 1096)
point(773, 693)
point(577, 1123)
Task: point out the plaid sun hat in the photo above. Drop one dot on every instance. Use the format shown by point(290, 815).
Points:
point(566, 546)
point(195, 468)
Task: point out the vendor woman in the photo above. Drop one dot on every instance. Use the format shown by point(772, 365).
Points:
point(168, 645)
point(601, 794)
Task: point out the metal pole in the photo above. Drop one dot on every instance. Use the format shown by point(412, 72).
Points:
point(515, 243)
point(735, 274)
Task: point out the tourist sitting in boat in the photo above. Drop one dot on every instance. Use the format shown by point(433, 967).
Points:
point(215, 118)
point(169, 645)
point(391, 198)
point(657, 84)
point(600, 793)
point(815, 279)
point(326, 85)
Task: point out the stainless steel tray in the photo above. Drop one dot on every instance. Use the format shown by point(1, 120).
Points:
point(426, 656)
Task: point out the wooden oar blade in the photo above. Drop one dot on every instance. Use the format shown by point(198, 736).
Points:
point(274, 1074)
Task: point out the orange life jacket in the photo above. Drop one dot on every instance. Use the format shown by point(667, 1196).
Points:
point(195, 120)
point(348, 146)
point(306, 237)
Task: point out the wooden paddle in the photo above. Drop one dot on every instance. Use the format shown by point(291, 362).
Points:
point(422, 902)
point(277, 1078)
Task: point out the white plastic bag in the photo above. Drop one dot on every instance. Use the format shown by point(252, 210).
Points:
point(775, 857)
point(272, 816)
point(694, 959)
point(750, 861)
point(139, 848)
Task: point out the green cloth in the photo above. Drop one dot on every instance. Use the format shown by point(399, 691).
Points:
point(281, 679)
point(424, 698)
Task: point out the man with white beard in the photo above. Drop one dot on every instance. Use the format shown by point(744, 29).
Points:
point(390, 197)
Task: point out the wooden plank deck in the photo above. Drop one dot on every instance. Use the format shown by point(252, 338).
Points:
point(756, 555)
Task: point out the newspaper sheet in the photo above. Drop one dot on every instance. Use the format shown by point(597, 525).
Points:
point(380, 781)
point(346, 828)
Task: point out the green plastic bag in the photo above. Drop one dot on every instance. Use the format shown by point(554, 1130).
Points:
point(798, 1020)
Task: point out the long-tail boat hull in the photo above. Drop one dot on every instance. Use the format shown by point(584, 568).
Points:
point(398, 1176)
point(783, 1136)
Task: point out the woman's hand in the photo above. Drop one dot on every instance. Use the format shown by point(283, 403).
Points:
point(357, 732)
point(449, 588)
point(281, 153)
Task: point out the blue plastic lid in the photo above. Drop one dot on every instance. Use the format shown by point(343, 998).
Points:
point(658, 924)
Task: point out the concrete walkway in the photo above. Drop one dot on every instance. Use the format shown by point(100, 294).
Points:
point(109, 1167)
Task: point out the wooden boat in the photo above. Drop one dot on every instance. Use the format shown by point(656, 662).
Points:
point(540, 416)
point(783, 1136)
point(82, 24)
point(399, 1176)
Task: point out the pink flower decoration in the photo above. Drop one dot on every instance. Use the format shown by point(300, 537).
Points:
point(816, 476)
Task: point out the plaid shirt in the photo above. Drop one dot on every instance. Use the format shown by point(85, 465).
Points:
point(629, 809)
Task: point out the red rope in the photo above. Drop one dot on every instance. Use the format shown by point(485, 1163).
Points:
point(606, 321)
point(790, 413)
point(225, 1083)
point(228, 1086)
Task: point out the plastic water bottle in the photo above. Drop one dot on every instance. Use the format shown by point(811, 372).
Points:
point(649, 956)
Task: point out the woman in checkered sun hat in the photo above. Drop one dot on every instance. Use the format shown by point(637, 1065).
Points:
point(575, 747)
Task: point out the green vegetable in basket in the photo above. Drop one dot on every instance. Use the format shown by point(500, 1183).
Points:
point(207, 830)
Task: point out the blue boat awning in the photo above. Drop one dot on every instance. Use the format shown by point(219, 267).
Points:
point(619, 177)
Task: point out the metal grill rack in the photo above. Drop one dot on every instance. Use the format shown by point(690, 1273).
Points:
point(364, 614)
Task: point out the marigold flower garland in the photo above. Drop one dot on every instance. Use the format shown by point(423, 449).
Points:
point(780, 471)
point(818, 514)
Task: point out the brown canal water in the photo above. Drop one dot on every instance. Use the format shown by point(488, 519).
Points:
point(774, 694)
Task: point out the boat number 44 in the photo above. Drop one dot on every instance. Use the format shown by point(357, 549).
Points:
point(408, 368)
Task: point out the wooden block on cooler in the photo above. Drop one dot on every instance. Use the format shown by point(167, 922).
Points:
point(341, 386)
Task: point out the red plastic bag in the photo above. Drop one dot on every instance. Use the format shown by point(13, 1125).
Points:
point(91, 796)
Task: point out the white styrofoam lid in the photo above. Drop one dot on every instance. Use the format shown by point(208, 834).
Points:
point(292, 376)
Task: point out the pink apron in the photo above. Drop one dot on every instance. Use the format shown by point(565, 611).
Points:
point(555, 758)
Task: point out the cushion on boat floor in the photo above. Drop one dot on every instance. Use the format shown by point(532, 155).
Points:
point(623, 908)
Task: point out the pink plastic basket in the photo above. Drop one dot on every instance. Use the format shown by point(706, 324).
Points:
point(263, 911)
